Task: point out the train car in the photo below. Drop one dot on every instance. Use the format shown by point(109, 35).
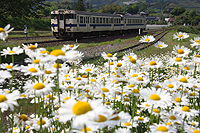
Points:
point(76, 24)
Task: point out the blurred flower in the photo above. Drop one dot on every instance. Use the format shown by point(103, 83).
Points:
point(147, 38)
point(180, 35)
point(4, 75)
point(4, 32)
point(160, 45)
point(13, 51)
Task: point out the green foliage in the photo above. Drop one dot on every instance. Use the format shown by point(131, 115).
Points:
point(178, 11)
point(110, 8)
point(36, 23)
point(80, 6)
point(188, 29)
point(20, 8)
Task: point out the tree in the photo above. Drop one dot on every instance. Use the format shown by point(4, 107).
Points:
point(80, 6)
point(178, 11)
point(20, 8)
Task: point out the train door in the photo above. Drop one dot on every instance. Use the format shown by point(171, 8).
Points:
point(77, 23)
point(125, 22)
point(61, 23)
point(87, 19)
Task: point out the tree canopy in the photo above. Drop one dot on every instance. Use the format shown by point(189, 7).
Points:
point(20, 8)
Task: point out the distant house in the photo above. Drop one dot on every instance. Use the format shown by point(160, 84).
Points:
point(150, 18)
point(145, 14)
point(171, 20)
point(130, 2)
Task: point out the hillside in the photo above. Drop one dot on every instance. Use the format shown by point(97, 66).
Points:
point(188, 4)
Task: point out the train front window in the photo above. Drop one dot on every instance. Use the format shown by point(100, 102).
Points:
point(61, 17)
point(53, 16)
point(70, 16)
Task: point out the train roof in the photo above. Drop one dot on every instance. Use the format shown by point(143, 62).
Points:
point(96, 14)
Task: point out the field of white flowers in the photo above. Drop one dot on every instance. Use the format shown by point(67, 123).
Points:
point(155, 94)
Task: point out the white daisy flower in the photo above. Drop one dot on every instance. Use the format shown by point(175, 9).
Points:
point(181, 51)
point(4, 75)
point(180, 35)
point(109, 56)
point(7, 100)
point(156, 97)
point(186, 111)
point(37, 122)
point(4, 32)
point(160, 45)
point(160, 128)
point(13, 51)
point(147, 38)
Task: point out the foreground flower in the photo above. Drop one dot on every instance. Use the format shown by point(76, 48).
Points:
point(4, 32)
point(147, 38)
point(160, 45)
point(7, 100)
point(4, 75)
point(180, 35)
point(13, 51)
point(156, 97)
point(44, 122)
point(160, 128)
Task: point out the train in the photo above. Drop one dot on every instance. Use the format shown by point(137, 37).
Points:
point(67, 24)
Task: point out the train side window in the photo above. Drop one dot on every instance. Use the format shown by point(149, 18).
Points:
point(100, 20)
point(111, 20)
point(84, 20)
point(97, 20)
point(81, 19)
point(90, 19)
point(104, 20)
point(53, 16)
point(93, 19)
point(74, 16)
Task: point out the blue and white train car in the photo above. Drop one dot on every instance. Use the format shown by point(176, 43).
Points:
point(76, 24)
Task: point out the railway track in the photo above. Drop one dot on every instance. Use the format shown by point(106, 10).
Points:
point(135, 46)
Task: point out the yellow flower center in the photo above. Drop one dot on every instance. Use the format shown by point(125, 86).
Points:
point(196, 40)
point(50, 97)
point(155, 97)
point(23, 117)
point(115, 118)
point(104, 89)
point(27, 127)
point(88, 69)
point(185, 109)
point(66, 98)
point(140, 79)
point(130, 86)
point(2, 30)
point(57, 52)
point(126, 99)
point(162, 129)
point(156, 111)
point(153, 63)
point(134, 75)
point(198, 56)
point(12, 52)
point(101, 118)
point(170, 86)
point(133, 60)
point(186, 68)
point(184, 80)
point(196, 131)
point(136, 91)
point(44, 52)
point(43, 122)
point(127, 124)
point(32, 47)
point(81, 107)
point(147, 40)
point(70, 87)
point(109, 55)
point(78, 78)
point(87, 129)
point(48, 72)
point(36, 61)
point(55, 65)
point(168, 123)
point(178, 59)
point(33, 70)
point(93, 80)
point(38, 86)
point(172, 117)
point(192, 94)
point(9, 67)
point(108, 103)
point(160, 46)
point(111, 63)
point(180, 36)
point(140, 119)
point(23, 95)
point(71, 46)
point(119, 64)
point(2, 98)
point(178, 99)
point(180, 51)
point(157, 86)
